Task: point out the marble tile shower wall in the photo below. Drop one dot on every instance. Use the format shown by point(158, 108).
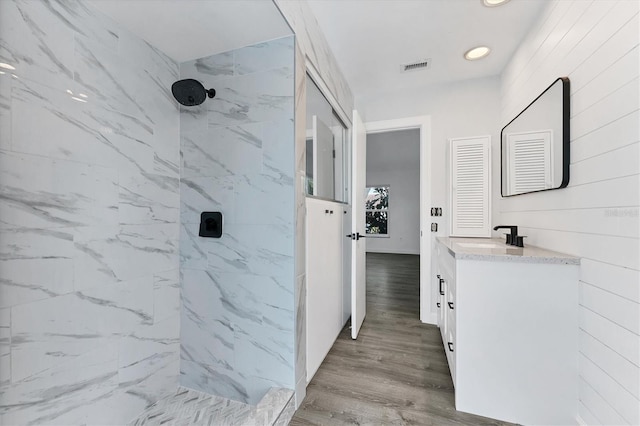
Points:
point(89, 218)
point(300, 235)
point(237, 325)
point(315, 48)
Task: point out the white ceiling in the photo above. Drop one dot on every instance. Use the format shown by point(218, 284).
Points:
point(190, 29)
point(371, 38)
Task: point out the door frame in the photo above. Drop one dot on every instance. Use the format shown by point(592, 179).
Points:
point(423, 123)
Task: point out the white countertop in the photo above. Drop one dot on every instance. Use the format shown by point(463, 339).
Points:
point(497, 250)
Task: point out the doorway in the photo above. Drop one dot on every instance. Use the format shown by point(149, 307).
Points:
point(393, 219)
point(392, 210)
point(398, 162)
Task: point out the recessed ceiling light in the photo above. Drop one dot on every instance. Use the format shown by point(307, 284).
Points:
point(493, 3)
point(7, 66)
point(476, 53)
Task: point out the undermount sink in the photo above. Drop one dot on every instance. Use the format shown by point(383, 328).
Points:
point(479, 245)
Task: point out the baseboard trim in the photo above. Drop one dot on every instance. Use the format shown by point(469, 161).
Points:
point(430, 319)
point(415, 252)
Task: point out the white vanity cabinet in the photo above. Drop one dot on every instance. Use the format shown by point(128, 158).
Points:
point(508, 318)
point(446, 306)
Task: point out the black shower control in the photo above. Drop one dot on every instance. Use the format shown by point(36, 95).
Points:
point(210, 224)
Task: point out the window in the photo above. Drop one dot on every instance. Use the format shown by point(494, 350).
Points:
point(328, 148)
point(377, 211)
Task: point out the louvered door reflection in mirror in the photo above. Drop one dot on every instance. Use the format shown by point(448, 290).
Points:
point(535, 144)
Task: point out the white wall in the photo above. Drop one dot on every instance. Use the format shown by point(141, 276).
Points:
point(393, 158)
point(595, 44)
point(468, 108)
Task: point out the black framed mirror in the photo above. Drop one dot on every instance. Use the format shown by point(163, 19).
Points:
point(535, 144)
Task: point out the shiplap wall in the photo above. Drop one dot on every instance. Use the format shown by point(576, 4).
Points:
point(595, 44)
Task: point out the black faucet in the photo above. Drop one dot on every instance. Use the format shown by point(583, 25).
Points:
point(512, 238)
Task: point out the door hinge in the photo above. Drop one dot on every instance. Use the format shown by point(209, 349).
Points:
point(334, 153)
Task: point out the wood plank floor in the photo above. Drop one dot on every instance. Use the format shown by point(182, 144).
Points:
point(396, 372)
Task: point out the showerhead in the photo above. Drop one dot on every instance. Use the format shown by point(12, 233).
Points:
point(190, 92)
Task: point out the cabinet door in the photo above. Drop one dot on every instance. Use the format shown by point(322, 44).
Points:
point(324, 279)
point(445, 275)
point(441, 302)
point(438, 298)
point(451, 343)
point(450, 348)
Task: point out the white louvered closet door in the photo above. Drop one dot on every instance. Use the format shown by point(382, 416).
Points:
point(470, 187)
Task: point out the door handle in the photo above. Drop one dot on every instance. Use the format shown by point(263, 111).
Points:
point(355, 236)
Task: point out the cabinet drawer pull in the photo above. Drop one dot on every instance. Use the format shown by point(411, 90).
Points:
point(438, 304)
point(450, 344)
point(440, 288)
point(450, 305)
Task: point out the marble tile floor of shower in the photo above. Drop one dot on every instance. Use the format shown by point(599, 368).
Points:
point(190, 407)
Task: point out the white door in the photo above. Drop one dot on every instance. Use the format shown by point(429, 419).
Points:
point(358, 252)
point(470, 186)
point(346, 265)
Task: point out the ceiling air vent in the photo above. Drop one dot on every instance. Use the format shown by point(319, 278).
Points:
point(415, 66)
